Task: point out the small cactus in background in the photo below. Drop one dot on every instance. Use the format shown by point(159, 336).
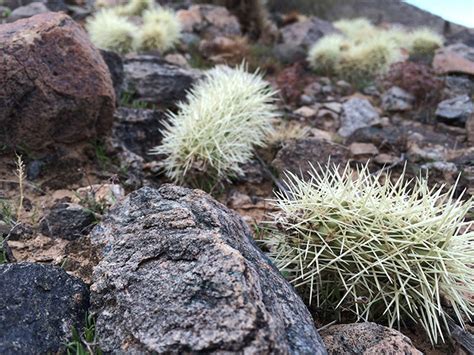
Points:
point(424, 41)
point(363, 62)
point(358, 29)
point(380, 249)
point(225, 116)
point(110, 28)
point(161, 30)
point(362, 52)
point(109, 31)
point(325, 55)
point(134, 7)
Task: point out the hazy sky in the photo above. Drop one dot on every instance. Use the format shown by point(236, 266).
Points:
point(457, 11)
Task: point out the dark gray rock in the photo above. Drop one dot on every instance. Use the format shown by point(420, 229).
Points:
point(298, 155)
point(455, 111)
point(305, 33)
point(366, 338)
point(152, 79)
point(357, 113)
point(209, 21)
point(115, 64)
point(287, 53)
point(470, 130)
point(298, 37)
point(180, 273)
point(26, 11)
point(138, 130)
point(459, 85)
point(465, 36)
point(33, 169)
point(53, 5)
point(39, 307)
point(398, 139)
point(397, 99)
point(67, 221)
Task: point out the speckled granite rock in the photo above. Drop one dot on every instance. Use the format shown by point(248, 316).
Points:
point(179, 273)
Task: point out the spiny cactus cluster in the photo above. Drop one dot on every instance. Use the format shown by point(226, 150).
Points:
point(356, 29)
point(399, 251)
point(424, 41)
point(224, 117)
point(112, 29)
point(364, 51)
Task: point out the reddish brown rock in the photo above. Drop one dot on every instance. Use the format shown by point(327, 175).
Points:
point(367, 339)
point(456, 58)
point(209, 21)
point(55, 88)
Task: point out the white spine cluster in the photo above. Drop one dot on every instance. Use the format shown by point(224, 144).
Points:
point(112, 30)
point(363, 51)
point(224, 117)
point(378, 248)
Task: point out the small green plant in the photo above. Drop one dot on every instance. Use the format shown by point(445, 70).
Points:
point(161, 30)
point(108, 30)
point(396, 251)
point(7, 215)
point(21, 176)
point(3, 253)
point(127, 100)
point(225, 116)
point(101, 154)
point(6, 13)
point(84, 343)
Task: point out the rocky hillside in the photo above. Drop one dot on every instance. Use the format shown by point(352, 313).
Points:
point(235, 177)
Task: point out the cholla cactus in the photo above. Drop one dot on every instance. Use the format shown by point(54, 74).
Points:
point(356, 29)
point(161, 30)
point(134, 7)
point(364, 51)
point(424, 41)
point(109, 31)
point(324, 55)
point(381, 249)
point(367, 59)
point(225, 116)
point(355, 60)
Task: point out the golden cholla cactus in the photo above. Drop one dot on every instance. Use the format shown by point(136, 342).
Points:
point(381, 249)
point(224, 117)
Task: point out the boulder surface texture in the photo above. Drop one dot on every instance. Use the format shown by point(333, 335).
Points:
point(54, 85)
point(179, 273)
point(366, 338)
point(39, 307)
